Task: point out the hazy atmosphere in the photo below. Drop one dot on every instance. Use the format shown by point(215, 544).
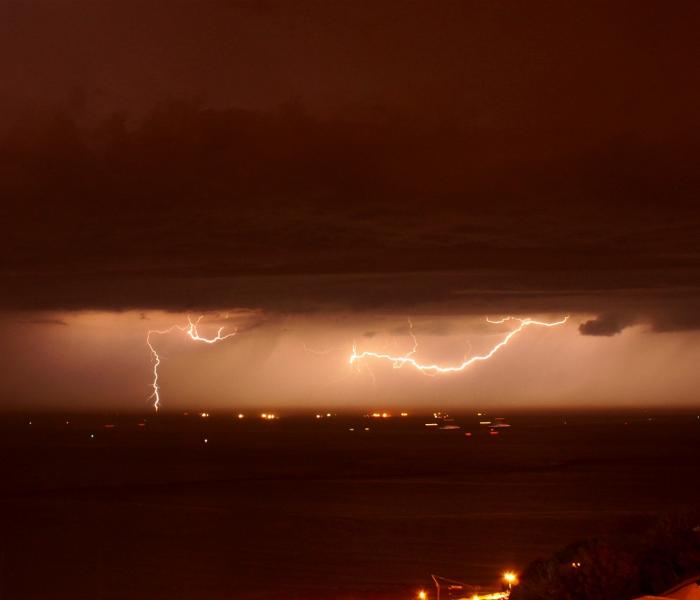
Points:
point(349, 300)
point(100, 360)
point(333, 169)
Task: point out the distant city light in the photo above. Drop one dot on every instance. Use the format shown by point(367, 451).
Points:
point(379, 415)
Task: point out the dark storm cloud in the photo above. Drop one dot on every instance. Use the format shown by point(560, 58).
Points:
point(200, 208)
point(604, 325)
point(504, 165)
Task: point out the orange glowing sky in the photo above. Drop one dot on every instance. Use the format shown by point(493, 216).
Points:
point(99, 360)
point(323, 171)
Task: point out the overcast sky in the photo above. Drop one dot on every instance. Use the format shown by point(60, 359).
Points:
point(325, 170)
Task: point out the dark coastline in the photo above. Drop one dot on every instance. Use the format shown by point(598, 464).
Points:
point(305, 508)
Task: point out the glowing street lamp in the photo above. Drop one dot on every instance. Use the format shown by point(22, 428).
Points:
point(422, 595)
point(510, 578)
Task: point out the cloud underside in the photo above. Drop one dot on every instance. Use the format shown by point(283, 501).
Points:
point(191, 208)
point(444, 294)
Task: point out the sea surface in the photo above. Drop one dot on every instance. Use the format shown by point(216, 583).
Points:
point(184, 506)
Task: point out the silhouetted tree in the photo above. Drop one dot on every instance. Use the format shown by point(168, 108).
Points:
point(618, 567)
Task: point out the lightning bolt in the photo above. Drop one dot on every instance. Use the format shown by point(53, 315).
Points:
point(192, 331)
point(407, 359)
point(413, 350)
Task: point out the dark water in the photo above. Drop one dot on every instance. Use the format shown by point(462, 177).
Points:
point(301, 508)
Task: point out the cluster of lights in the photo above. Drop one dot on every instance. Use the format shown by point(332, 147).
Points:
point(268, 416)
point(384, 415)
point(423, 595)
point(380, 415)
point(509, 577)
point(322, 416)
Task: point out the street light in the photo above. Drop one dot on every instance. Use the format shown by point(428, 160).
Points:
point(510, 578)
point(422, 595)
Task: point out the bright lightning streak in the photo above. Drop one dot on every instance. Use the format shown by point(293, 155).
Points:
point(406, 359)
point(193, 333)
point(413, 337)
point(156, 363)
point(502, 320)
